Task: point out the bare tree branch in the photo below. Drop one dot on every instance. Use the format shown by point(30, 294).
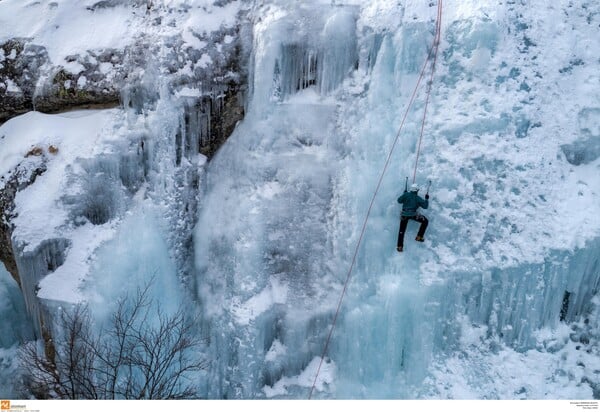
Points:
point(143, 353)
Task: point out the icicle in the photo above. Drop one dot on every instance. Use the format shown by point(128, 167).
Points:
point(339, 50)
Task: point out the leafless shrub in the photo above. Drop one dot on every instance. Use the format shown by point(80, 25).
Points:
point(143, 353)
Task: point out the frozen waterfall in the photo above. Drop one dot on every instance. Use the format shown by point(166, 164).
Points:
point(285, 197)
point(236, 175)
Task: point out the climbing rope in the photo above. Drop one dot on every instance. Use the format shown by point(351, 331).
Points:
point(385, 167)
point(436, 43)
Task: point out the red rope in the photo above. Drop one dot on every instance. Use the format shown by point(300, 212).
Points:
point(385, 167)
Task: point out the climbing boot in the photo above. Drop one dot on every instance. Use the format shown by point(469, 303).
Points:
point(420, 239)
point(399, 248)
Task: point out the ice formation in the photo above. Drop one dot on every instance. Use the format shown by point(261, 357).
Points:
point(504, 258)
point(509, 272)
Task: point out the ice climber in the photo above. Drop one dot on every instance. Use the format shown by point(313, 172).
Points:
point(411, 202)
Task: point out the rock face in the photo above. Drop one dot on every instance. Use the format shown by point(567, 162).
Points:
point(202, 72)
point(24, 175)
point(28, 81)
point(211, 63)
point(19, 70)
point(20, 90)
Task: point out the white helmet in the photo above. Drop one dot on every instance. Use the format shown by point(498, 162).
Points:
point(414, 187)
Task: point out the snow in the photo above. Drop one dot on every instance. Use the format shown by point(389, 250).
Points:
point(204, 61)
point(214, 17)
point(75, 134)
point(274, 293)
point(480, 373)
point(188, 92)
point(81, 81)
point(277, 349)
point(43, 214)
point(190, 38)
point(65, 283)
point(510, 146)
point(11, 87)
point(25, 132)
point(305, 379)
point(66, 27)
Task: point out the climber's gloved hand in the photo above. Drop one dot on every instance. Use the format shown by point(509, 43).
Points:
point(427, 196)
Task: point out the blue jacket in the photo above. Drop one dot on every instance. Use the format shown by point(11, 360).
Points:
point(411, 201)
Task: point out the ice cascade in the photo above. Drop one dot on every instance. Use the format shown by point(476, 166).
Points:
point(285, 197)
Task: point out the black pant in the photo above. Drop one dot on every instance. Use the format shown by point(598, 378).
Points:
point(404, 221)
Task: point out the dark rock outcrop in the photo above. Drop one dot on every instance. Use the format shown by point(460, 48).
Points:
point(19, 72)
point(29, 81)
point(23, 176)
